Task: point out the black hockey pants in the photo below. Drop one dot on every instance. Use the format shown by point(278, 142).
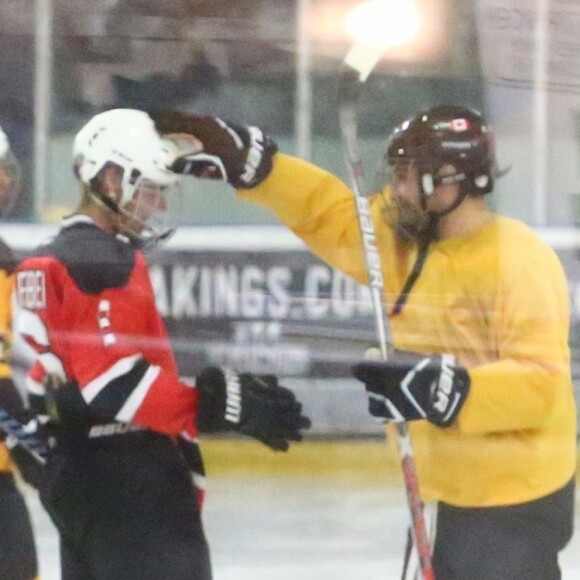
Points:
point(17, 550)
point(516, 542)
point(126, 508)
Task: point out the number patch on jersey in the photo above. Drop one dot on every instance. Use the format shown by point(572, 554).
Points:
point(104, 318)
point(31, 289)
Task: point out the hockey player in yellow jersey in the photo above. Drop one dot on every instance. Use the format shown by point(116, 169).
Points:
point(17, 549)
point(479, 315)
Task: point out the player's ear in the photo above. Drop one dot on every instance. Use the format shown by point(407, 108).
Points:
point(108, 183)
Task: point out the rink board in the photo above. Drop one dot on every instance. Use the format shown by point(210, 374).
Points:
point(256, 299)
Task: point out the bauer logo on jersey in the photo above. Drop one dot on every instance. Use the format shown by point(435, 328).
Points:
point(31, 289)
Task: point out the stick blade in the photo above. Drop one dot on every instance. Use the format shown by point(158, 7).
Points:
point(363, 58)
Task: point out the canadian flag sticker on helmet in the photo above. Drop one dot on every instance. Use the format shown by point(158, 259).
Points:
point(459, 125)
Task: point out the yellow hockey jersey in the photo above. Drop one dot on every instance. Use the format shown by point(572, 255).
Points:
point(498, 300)
point(6, 284)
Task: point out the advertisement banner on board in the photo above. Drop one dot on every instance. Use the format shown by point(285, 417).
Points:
point(280, 312)
point(284, 313)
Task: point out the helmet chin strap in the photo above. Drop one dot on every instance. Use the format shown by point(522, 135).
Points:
point(425, 240)
point(430, 183)
point(430, 231)
point(107, 200)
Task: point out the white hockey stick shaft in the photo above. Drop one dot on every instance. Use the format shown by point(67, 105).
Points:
point(359, 63)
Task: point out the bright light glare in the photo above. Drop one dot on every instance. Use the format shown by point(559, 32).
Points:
point(383, 23)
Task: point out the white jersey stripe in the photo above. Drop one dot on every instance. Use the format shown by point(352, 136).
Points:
point(134, 401)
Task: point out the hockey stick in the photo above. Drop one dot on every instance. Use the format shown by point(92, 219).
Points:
point(358, 64)
point(16, 434)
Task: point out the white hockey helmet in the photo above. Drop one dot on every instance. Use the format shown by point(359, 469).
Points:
point(127, 139)
point(4, 143)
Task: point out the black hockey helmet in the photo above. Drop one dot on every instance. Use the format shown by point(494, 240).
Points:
point(447, 134)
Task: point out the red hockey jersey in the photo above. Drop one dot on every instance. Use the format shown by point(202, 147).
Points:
point(86, 305)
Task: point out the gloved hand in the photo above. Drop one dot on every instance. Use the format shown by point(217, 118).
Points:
point(410, 386)
point(242, 156)
point(253, 405)
point(61, 410)
point(20, 451)
point(26, 450)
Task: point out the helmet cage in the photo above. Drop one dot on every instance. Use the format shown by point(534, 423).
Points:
point(150, 215)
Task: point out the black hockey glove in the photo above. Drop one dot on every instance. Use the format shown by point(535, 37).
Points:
point(410, 386)
point(242, 156)
point(253, 405)
point(62, 411)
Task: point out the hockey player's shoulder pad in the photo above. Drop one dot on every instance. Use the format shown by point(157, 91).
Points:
point(94, 259)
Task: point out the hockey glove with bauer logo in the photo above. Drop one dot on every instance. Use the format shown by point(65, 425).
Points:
point(250, 404)
point(215, 149)
point(410, 386)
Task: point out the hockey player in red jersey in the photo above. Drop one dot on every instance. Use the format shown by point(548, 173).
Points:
point(117, 483)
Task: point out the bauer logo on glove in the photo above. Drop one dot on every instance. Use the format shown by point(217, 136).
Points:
point(254, 405)
point(240, 155)
point(409, 386)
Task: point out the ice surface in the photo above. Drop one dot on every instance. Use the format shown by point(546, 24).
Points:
point(295, 528)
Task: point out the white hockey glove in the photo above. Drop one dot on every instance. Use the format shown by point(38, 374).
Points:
point(409, 386)
point(253, 405)
point(242, 156)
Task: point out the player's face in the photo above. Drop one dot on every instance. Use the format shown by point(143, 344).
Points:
point(445, 194)
point(113, 181)
point(408, 217)
point(149, 203)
